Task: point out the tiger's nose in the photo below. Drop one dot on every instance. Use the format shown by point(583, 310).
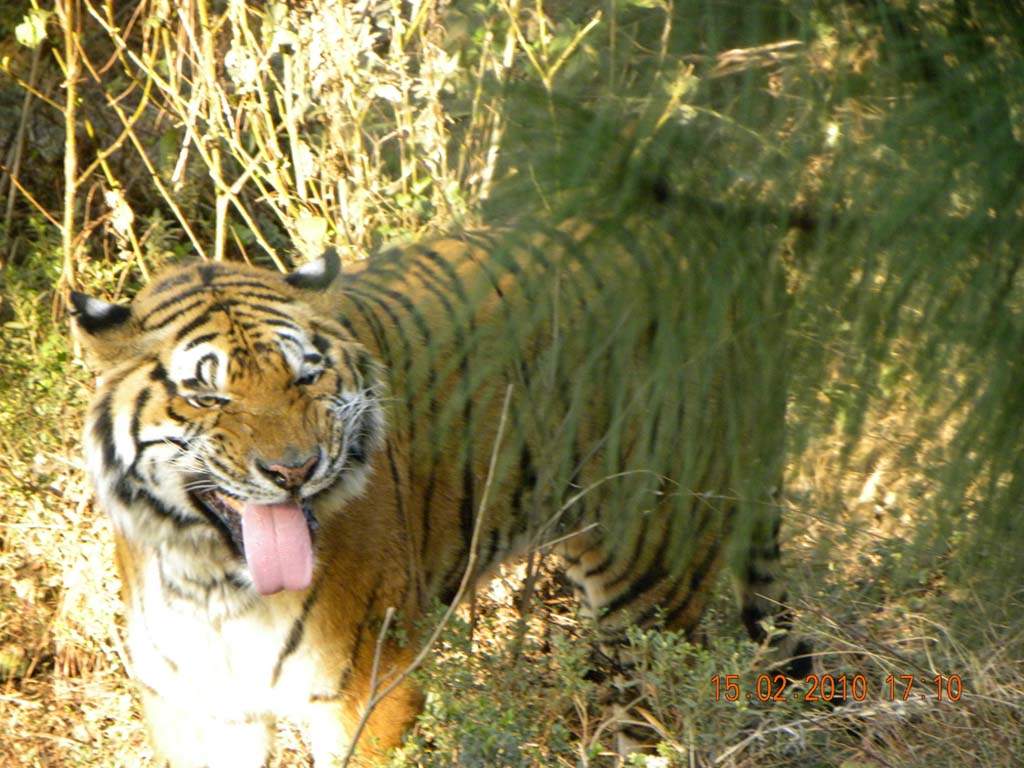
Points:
point(290, 475)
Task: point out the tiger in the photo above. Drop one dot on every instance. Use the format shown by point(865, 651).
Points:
point(296, 464)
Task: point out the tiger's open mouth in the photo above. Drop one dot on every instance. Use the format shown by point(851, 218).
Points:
point(276, 539)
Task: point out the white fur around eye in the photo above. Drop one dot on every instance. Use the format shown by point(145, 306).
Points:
point(302, 358)
point(293, 348)
point(203, 362)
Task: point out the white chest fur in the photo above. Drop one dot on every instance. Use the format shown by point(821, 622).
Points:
point(234, 656)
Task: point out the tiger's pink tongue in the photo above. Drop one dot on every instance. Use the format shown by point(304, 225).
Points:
point(278, 547)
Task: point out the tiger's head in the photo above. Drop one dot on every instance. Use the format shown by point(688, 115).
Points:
point(230, 402)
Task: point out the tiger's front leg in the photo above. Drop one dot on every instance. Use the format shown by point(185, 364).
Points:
point(186, 736)
point(379, 725)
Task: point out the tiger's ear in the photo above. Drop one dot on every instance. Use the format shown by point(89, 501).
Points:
point(106, 331)
point(317, 275)
point(96, 315)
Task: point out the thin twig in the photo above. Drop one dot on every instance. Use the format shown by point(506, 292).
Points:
point(35, 203)
point(67, 11)
point(18, 149)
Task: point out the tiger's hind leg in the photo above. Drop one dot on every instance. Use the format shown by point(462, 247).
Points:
point(641, 579)
point(637, 580)
point(761, 593)
point(626, 582)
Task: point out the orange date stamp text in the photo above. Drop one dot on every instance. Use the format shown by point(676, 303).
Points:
point(838, 688)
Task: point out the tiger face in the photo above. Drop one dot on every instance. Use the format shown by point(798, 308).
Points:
point(238, 426)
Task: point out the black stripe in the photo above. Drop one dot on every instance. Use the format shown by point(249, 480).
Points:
point(428, 496)
point(362, 629)
point(526, 481)
point(321, 344)
point(329, 697)
point(260, 292)
point(207, 272)
point(218, 466)
point(755, 574)
point(131, 494)
point(196, 322)
point(192, 292)
point(179, 278)
point(125, 491)
point(396, 480)
point(148, 324)
point(489, 557)
point(361, 303)
point(200, 363)
point(245, 307)
point(103, 432)
point(181, 445)
point(253, 285)
point(441, 288)
point(467, 505)
point(571, 562)
point(238, 581)
point(295, 633)
point(751, 616)
point(136, 424)
point(158, 375)
point(701, 572)
point(664, 608)
point(432, 282)
point(172, 587)
point(201, 340)
point(356, 453)
point(238, 309)
point(383, 295)
point(346, 673)
point(485, 267)
point(349, 363)
point(451, 582)
point(652, 575)
point(614, 554)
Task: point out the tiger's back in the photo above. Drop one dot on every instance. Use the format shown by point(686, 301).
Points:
point(285, 458)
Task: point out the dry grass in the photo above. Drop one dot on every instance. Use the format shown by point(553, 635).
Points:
point(64, 697)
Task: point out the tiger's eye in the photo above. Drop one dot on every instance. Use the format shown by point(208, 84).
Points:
point(205, 401)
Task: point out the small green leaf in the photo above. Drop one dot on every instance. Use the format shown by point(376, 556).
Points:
point(32, 31)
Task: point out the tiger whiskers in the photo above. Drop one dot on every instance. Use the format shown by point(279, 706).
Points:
point(188, 456)
point(354, 405)
point(190, 460)
point(203, 484)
